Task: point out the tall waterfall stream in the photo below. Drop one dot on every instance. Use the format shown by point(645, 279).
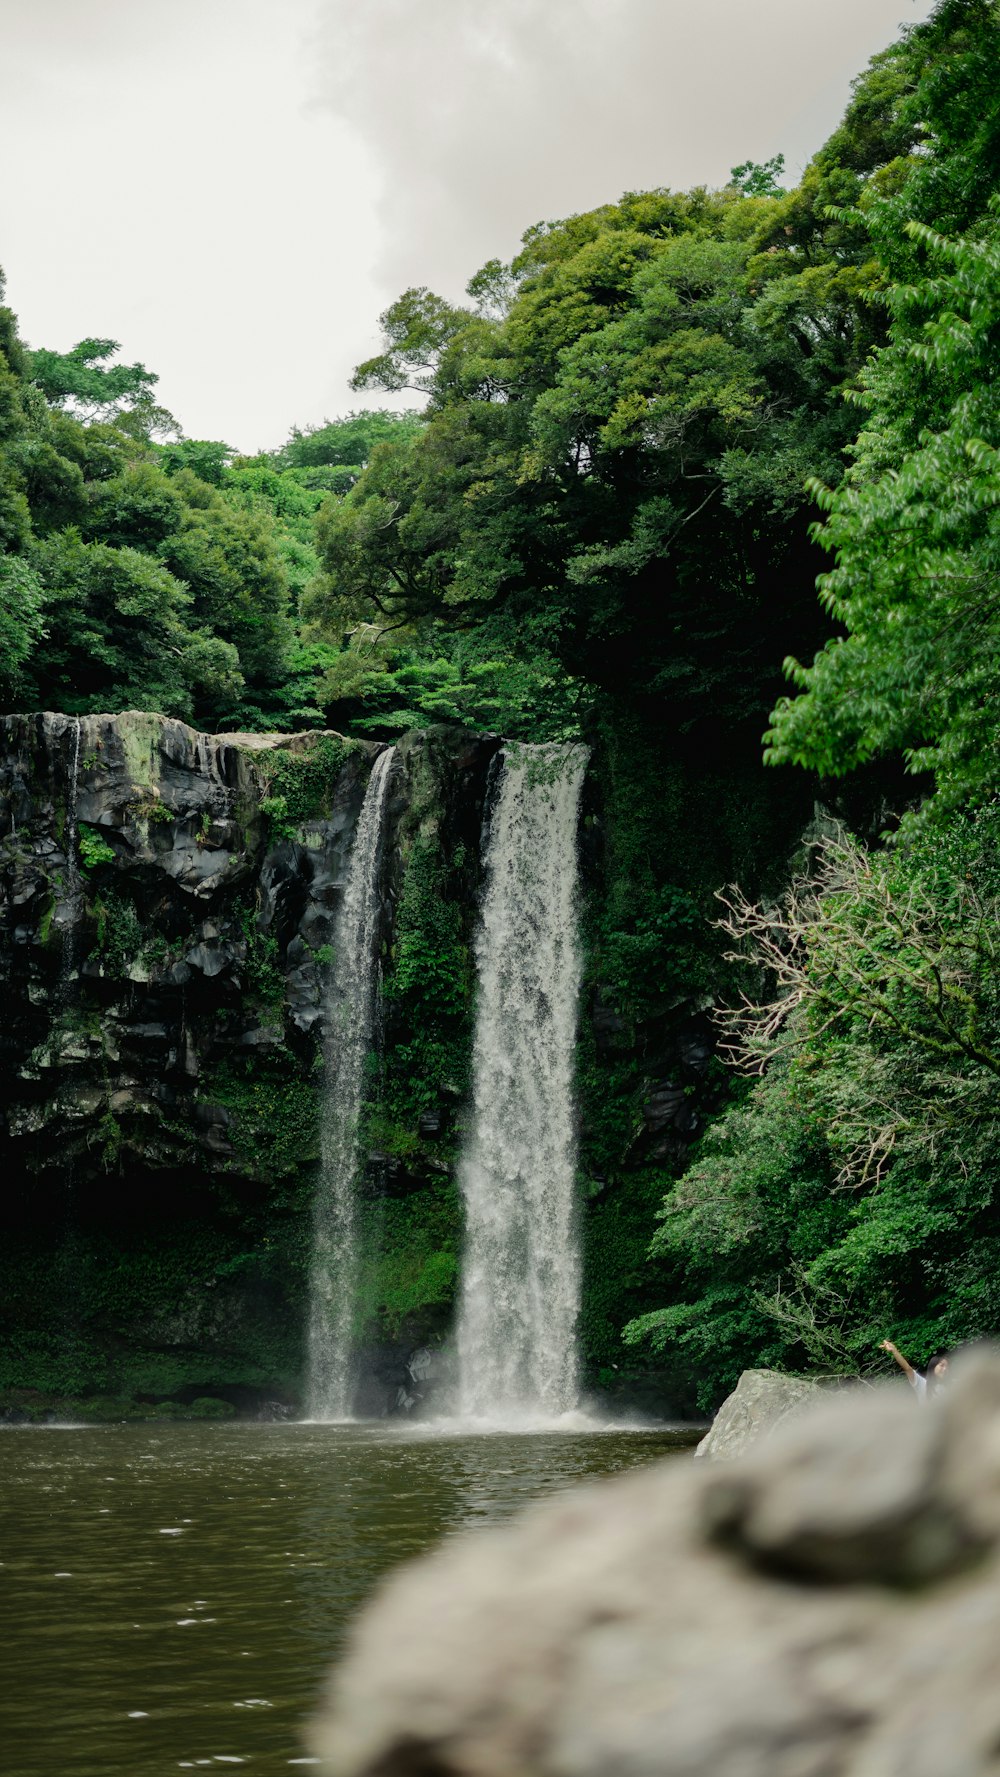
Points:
point(517, 1356)
point(70, 836)
point(351, 1013)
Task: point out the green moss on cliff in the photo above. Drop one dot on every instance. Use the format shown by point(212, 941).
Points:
point(410, 1248)
point(120, 934)
point(160, 1311)
point(274, 1125)
point(140, 734)
point(299, 784)
point(428, 989)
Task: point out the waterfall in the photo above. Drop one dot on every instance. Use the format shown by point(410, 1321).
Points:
point(521, 1270)
point(73, 776)
point(72, 866)
point(350, 1017)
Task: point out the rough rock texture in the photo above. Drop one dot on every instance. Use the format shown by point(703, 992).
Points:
point(829, 1606)
point(178, 933)
point(167, 913)
point(761, 1401)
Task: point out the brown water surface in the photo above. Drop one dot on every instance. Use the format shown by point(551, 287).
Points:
point(171, 1598)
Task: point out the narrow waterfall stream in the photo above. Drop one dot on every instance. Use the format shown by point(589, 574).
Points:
point(350, 1018)
point(521, 1271)
point(70, 833)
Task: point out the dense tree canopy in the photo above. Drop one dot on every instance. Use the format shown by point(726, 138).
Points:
point(914, 528)
point(621, 424)
point(638, 445)
point(160, 574)
point(854, 1191)
point(604, 494)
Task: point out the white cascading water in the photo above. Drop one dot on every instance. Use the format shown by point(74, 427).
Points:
point(520, 1289)
point(70, 833)
point(350, 1018)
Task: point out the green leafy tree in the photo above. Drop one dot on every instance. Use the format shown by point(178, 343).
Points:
point(759, 178)
point(630, 404)
point(228, 559)
point(914, 528)
point(418, 327)
point(21, 620)
point(854, 1189)
point(345, 444)
point(117, 629)
point(89, 383)
point(207, 458)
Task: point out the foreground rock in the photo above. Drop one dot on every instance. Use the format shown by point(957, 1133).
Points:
point(829, 1606)
point(761, 1401)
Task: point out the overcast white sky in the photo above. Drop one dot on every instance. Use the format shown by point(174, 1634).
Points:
point(235, 188)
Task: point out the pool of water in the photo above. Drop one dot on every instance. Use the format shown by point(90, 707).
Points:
point(170, 1599)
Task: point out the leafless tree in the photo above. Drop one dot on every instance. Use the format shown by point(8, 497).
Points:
point(854, 948)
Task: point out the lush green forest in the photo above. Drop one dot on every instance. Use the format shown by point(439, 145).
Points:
point(639, 445)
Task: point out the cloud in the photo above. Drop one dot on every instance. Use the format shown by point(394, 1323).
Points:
point(170, 187)
point(235, 188)
point(51, 36)
point(484, 118)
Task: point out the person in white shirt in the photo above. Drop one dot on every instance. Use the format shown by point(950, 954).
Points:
point(922, 1385)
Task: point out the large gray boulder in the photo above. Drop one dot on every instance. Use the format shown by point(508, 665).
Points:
point(828, 1606)
point(761, 1401)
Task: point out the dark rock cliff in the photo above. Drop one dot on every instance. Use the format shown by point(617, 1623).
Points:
point(167, 907)
point(178, 938)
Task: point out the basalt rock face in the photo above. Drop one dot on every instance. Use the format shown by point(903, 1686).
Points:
point(153, 932)
point(167, 909)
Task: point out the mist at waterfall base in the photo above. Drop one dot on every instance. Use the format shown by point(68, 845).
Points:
point(515, 1363)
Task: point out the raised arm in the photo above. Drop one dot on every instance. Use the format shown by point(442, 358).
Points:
point(907, 1368)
